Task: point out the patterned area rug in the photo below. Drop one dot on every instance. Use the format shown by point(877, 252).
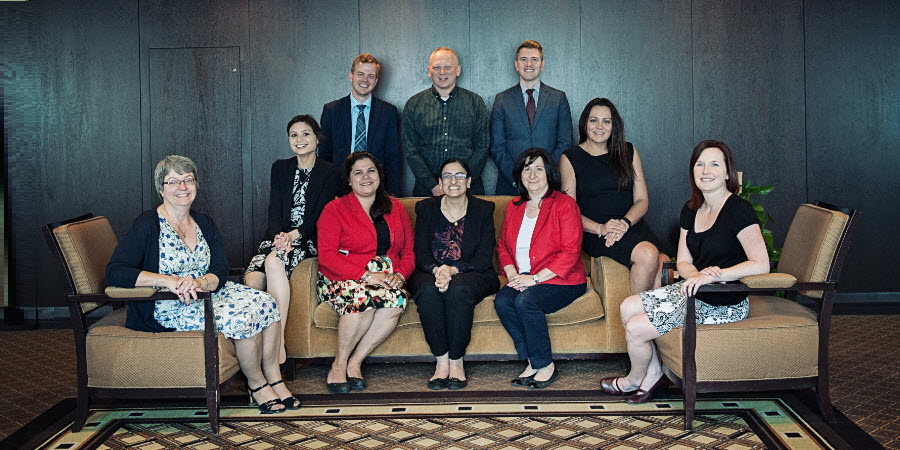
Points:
point(381, 422)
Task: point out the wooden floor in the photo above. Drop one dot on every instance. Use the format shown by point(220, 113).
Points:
point(38, 369)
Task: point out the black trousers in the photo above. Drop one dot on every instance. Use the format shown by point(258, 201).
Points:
point(447, 317)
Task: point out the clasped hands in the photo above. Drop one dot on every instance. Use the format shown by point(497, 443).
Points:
point(520, 282)
point(282, 241)
point(442, 275)
point(711, 274)
point(185, 287)
point(613, 230)
point(392, 281)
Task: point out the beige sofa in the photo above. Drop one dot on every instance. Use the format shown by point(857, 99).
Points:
point(588, 327)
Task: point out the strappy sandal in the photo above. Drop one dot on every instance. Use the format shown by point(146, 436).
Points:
point(289, 402)
point(266, 407)
point(610, 385)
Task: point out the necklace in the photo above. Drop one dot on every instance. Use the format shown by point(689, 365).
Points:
point(179, 232)
point(449, 216)
point(533, 209)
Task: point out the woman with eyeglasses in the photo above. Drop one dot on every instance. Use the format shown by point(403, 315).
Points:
point(365, 257)
point(454, 270)
point(175, 249)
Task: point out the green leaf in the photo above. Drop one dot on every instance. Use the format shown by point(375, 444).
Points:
point(766, 190)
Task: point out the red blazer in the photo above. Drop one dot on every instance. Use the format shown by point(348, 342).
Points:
point(556, 242)
point(344, 226)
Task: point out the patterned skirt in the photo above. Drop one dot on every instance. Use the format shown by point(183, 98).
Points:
point(301, 249)
point(666, 307)
point(353, 296)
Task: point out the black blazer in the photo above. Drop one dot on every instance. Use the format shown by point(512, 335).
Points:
point(324, 185)
point(382, 138)
point(478, 242)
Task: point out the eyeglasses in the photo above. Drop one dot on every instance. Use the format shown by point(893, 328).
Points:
point(458, 175)
point(175, 183)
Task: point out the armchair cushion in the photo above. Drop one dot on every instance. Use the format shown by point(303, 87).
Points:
point(770, 280)
point(783, 336)
point(810, 244)
point(86, 247)
point(121, 358)
point(138, 292)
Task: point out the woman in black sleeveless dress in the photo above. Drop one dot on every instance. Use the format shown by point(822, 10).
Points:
point(604, 175)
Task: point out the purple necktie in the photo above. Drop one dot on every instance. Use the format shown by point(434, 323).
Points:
point(529, 108)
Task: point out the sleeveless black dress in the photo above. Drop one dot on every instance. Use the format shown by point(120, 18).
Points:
point(599, 198)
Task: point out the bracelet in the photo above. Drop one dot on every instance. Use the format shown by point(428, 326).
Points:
point(365, 277)
point(598, 230)
point(154, 281)
point(206, 285)
point(627, 221)
point(536, 279)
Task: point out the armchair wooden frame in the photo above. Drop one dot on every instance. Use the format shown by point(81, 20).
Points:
point(78, 316)
point(689, 384)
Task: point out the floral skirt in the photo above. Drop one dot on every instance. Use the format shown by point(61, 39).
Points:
point(241, 312)
point(300, 249)
point(353, 296)
point(666, 307)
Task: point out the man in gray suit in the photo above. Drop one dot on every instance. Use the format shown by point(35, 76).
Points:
point(529, 114)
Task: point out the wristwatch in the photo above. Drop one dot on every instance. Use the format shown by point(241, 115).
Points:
point(536, 279)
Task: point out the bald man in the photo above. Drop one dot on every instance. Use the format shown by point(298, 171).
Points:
point(444, 121)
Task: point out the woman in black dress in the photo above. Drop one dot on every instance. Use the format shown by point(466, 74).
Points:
point(300, 188)
point(720, 241)
point(603, 174)
point(454, 270)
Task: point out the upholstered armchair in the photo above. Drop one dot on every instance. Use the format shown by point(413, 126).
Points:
point(116, 362)
point(781, 344)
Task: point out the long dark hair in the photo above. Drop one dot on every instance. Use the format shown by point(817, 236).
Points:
point(527, 157)
point(730, 168)
point(618, 148)
point(382, 204)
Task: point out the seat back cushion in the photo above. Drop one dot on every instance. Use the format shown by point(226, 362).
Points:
point(86, 247)
point(811, 244)
point(778, 340)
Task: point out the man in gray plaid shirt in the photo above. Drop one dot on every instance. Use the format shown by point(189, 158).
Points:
point(444, 121)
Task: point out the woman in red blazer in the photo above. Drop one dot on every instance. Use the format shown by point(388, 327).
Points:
point(540, 252)
point(365, 257)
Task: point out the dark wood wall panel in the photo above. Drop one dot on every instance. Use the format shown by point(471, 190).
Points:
point(402, 34)
point(301, 55)
point(87, 138)
point(197, 23)
point(195, 111)
point(853, 125)
point(640, 58)
point(748, 93)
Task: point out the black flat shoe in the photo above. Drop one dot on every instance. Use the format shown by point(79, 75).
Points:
point(642, 396)
point(265, 407)
point(522, 381)
point(534, 384)
point(438, 384)
point(357, 384)
point(288, 402)
point(338, 388)
point(455, 384)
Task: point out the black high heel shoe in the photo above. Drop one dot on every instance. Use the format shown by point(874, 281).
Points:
point(288, 402)
point(264, 408)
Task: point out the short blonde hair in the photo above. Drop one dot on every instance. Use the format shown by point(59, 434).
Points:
point(180, 164)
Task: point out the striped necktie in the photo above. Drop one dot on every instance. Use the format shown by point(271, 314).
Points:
point(359, 144)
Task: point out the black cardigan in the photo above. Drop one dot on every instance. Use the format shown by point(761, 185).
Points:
point(478, 241)
point(138, 250)
point(324, 186)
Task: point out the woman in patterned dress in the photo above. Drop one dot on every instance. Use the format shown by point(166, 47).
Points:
point(175, 249)
point(720, 241)
point(365, 257)
point(300, 188)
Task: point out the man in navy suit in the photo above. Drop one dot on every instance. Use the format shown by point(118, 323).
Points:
point(363, 122)
point(529, 114)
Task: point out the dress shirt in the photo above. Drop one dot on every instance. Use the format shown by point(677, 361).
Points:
point(354, 113)
point(537, 91)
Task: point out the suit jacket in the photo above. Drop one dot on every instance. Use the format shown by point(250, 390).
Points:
point(324, 186)
point(511, 134)
point(347, 239)
point(556, 242)
point(382, 138)
point(477, 246)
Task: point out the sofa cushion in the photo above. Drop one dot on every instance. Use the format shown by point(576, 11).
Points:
point(778, 339)
point(121, 358)
point(584, 309)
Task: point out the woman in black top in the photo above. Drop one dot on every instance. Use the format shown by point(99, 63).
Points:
point(454, 269)
point(720, 241)
point(300, 188)
point(603, 174)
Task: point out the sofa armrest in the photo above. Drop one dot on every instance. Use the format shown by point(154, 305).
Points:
point(770, 280)
point(304, 300)
point(611, 282)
